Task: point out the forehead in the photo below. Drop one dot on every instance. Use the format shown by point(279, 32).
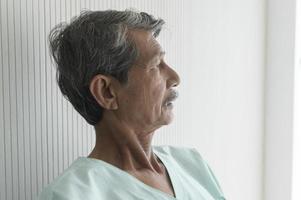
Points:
point(146, 44)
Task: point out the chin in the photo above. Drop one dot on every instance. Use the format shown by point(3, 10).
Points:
point(166, 116)
point(168, 119)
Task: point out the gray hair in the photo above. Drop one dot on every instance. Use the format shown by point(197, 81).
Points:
point(96, 42)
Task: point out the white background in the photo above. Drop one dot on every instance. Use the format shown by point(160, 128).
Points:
point(236, 60)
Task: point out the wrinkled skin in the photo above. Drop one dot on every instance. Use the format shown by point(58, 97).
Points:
point(149, 81)
point(134, 111)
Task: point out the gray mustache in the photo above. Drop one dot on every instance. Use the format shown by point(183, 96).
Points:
point(174, 94)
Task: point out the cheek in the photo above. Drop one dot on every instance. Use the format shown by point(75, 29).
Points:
point(156, 98)
point(145, 99)
point(148, 99)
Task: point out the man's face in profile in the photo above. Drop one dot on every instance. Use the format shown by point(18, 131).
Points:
point(150, 80)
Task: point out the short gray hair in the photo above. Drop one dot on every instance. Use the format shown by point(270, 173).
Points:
point(96, 42)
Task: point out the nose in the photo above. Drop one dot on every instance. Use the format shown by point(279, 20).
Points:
point(174, 79)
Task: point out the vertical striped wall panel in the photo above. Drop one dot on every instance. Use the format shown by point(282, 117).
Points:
point(40, 132)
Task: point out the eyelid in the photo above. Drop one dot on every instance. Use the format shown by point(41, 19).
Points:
point(161, 59)
point(159, 63)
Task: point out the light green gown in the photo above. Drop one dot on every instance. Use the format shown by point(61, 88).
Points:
point(93, 179)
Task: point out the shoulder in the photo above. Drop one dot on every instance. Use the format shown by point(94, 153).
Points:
point(74, 183)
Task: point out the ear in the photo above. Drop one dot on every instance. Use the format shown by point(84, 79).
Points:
point(101, 88)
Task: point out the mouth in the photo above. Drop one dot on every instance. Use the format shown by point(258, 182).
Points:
point(168, 105)
point(174, 94)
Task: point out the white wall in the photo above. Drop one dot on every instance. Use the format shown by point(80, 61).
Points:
point(296, 174)
point(216, 46)
point(280, 80)
point(225, 46)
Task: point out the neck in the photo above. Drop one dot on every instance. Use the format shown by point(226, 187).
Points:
point(127, 151)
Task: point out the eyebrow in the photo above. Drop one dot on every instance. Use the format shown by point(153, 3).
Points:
point(160, 54)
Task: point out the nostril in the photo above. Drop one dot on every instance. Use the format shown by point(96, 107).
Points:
point(177, 82)
point(174, 79)
point(173, 83)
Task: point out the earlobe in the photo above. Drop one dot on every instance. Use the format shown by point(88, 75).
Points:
point(101, 89)
point(114, 105)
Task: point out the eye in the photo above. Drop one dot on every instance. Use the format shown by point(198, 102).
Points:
point(160, 64)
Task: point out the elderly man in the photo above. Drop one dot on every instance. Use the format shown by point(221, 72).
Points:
point(111, 68)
